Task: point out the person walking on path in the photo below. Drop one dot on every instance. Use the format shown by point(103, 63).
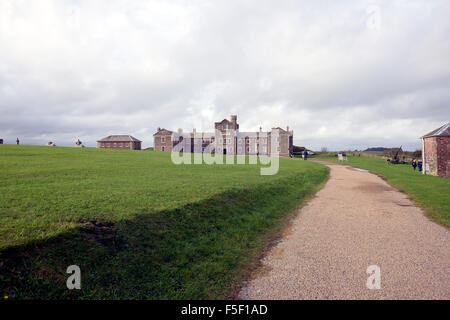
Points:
point(305, 155)
point(414, 164)
point(419, 165)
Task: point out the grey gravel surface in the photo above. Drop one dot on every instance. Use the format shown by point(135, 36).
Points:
point(355, 221)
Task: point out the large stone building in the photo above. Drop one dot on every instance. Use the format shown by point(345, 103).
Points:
point(227, 139)
point(120, 142)
point(436, 152)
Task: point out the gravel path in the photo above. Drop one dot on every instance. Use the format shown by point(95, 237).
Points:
point(356, 221)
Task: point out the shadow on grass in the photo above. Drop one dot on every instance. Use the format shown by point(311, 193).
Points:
point(198, 251)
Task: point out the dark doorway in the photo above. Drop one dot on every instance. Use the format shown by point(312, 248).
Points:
point(224, 151)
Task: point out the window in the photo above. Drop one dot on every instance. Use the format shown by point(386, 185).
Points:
point(163, 139)
point(163, 148)
point(127, 145)
point(224, 126)
point(114, 145)
point(278, 149)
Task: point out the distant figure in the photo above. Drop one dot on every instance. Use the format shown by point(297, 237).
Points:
point(79, 144)
point(414, 164)
point(17, 141)
point(305, 155)
point(419, 165)
point(388, 161)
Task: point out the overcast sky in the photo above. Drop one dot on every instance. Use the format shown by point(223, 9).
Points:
point(341, 74)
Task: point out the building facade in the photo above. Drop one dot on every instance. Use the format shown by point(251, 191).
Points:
point(227, 139)
point(436, 152)
point(119, 142)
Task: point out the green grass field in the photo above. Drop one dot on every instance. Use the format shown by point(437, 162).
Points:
point(431, 193)
point(138, 226)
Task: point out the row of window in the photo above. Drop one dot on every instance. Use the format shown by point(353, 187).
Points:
point(228, 140)
point(115, 145)
point(264, 149)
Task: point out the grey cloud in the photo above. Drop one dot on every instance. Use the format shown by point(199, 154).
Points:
point(91, 68)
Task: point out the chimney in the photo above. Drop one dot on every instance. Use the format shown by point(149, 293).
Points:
point(159, 128)
point(233, 119)
point(260, 129)
point(287, 128)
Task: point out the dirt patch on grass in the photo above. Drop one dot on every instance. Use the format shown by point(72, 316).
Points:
point(101, 232)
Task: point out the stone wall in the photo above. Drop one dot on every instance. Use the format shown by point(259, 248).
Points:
point(163, 142)
point(437, 156)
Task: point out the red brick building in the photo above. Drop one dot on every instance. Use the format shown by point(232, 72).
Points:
point(436, 152)
point(163, 140)
point(120, 142)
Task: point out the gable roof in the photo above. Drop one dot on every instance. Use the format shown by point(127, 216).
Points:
point(443, 131)
point(163, 131)
point(223, 121)
point(280, 129)
point(119, 138)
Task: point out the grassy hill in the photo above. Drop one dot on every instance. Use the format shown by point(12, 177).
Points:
point(430, 192)
point(138, 226)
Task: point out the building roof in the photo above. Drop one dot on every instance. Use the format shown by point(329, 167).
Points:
point(224, 120)
point(281, 129)
point(163, 131)
point(119, 138)
point(443, 131)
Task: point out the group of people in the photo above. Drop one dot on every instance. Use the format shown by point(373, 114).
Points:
point(304, 155)
point(416, 164)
